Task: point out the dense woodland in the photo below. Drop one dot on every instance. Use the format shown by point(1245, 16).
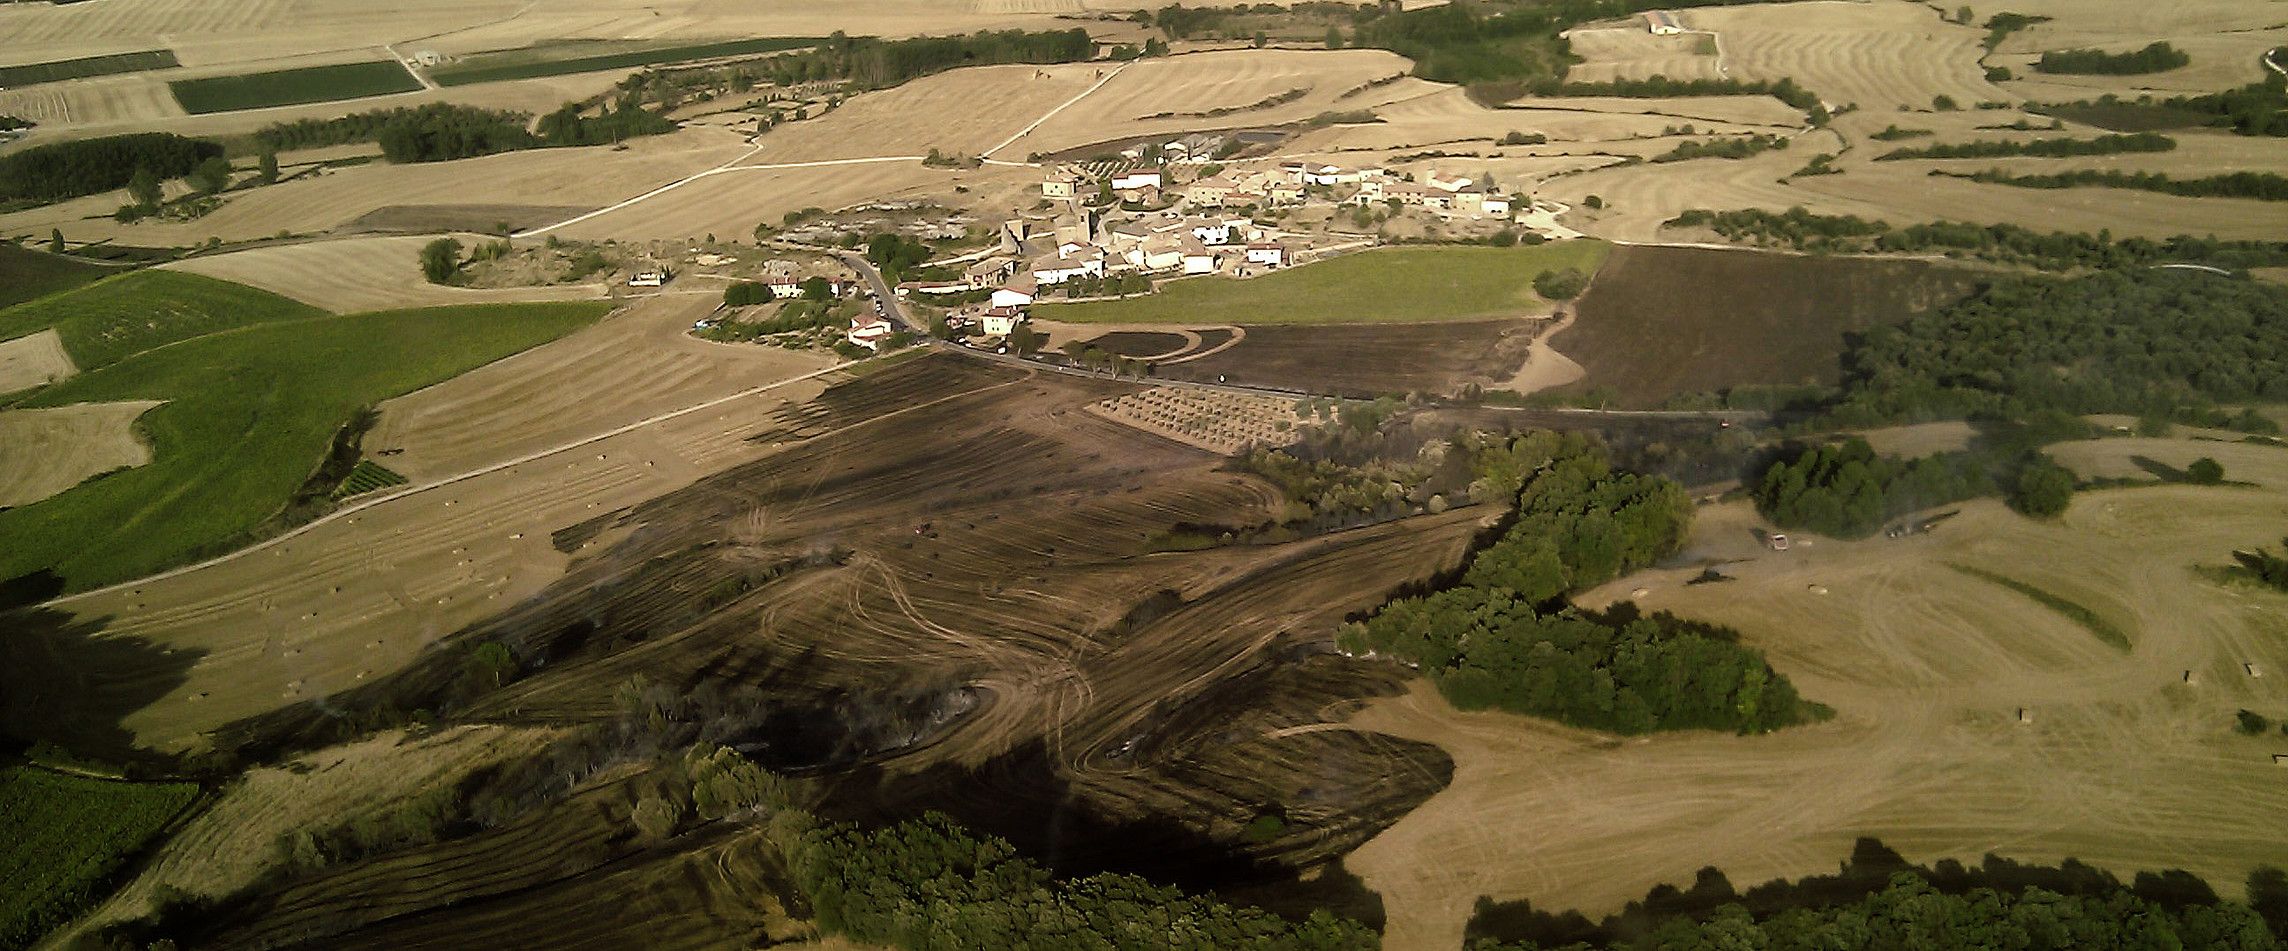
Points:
point(1503, 639)
point(440, 132)
point(1800, 230)
point(2154, 58)
point(2038, 148)
point(65, 170)
point(872, 63)
point(1877, 900)
point(928, 884)
point(1847, 491)
point(2137, 341)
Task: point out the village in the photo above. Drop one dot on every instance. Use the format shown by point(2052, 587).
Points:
point(1121, 226)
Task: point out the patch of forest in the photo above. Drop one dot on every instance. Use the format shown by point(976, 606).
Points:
point(1800, 230)
point(440, 132)
point(2157, 57)
point(1877, 899)
point(1502, 638)
point(2263, 186)
point(2038, 148)
point(65, 170)
point(874, 63)
point(2259, 108)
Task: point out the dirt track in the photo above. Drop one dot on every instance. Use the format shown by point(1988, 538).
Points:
point(2123, 765)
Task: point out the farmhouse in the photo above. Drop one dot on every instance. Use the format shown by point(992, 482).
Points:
point(869, 331)
point(1663, 23)
point(1157, 253)
point(999, 321)
point(1017, 293)
point(1209, 230)
point(1268, 254)
point(1062, 184)
point(653, 278)
point(988, 272)
point(1213, 190)
point(1196, 256)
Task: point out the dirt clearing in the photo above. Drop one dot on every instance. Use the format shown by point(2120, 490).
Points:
point(45, 451)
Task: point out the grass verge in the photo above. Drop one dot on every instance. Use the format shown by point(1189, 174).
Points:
point(288, 87)
point(25, 275)
point(537, 62)
point(2070, 610)
point(114, 319)
point(1392, 285)
point(250, 414)
point(62, 837)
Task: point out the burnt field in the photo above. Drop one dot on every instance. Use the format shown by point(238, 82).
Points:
point(943, 595)
point(1366, 360)
point(1660, 322)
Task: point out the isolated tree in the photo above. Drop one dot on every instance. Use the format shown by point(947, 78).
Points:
point(2204, 471)
point(1944, 103)
point(1334, 37)
point(1962, 15)
point(143, 188)
point(267, 167)
point(1023, 340)
point(56, 240)
point(211, 176)
point(1074, 350)
point(441, 261)
point(655, 817)
point(2043, 489)
point(1560, 285)
point(1260, 39)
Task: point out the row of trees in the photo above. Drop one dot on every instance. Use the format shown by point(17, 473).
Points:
point(2263, 186)
point(1801, 230)
point(872, 63)
point(440, 132)
point(1847, 491)
point(467, 122)
point(2038, 148)
point(65, 170)
point(1736, 147)
point(1502, 639)
point(2259, 108)
point(2154, 58)
point(929, 884)
point(749, 293)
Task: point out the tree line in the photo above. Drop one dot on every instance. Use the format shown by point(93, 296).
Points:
point(65, 170)
point(872, 63)
point(2263, 186)
point(1737, 147)
point(1847, 491)
point(2259, 108)
point(1503, 639)
point(2038, 148)
point(1800, 230)
point(1877, 900)
point(440, 132)
point(2154, 58)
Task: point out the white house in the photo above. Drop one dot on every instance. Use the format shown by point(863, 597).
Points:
point(1497, 206)
point(869, 331)
point(1157, 253)
point(1268, 254)
point(654, 278)
point(1051, 270)
point(1137, 179)
point(1210, 230)
point(1017, 293)
point(1663, 23)
point(1197, 258)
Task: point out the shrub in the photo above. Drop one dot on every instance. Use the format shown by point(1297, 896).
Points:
point(2043, 489)
point(2251, 723)
point(1560, 285)
point(441, 261)
point(2204, 471)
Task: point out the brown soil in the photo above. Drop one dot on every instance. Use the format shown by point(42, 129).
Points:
point(1368, 359)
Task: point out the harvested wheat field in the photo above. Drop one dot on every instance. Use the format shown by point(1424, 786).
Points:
point(734, 202)
point(231, 844)
point(2223, 37)
point(33, 360)
point(582, 176)
point(1633, 52)
point(50, 450)
point(631, 366)
point(1879, 55)
point(1920, 439)
point(1188, 86)
point(962, 112)
point(128, 101)
point(1451, 116)
point(2121, 765)
point(360, 274)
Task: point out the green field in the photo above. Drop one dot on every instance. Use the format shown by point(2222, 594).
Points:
point(1391, 285)
point(62, 836)
point(59, 70)
point(25, 275)
point(288, 87)
point(250, 413)
point(113, 319)
point(535, 62)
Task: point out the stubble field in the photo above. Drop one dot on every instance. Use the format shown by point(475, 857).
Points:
point(361, 274)
point(2123, 765)
point(50, 450)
